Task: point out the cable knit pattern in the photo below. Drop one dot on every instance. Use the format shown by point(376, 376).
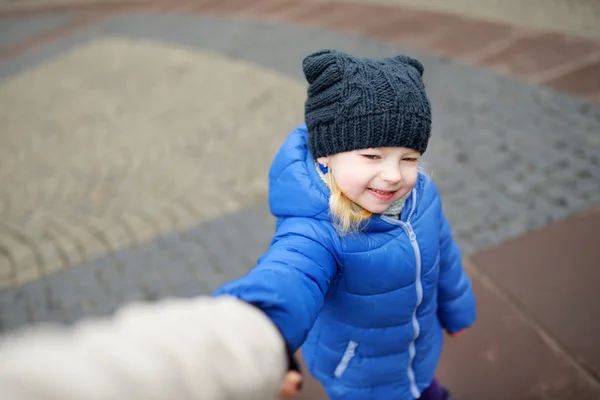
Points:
point(355, 103)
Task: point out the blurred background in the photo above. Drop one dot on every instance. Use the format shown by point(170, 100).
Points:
point(136, 137)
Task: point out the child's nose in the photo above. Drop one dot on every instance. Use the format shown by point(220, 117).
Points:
point(392, 175)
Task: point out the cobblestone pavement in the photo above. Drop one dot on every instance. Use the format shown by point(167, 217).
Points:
point(134, 154)
point(14, 31)
point(578, 17)
point(30, 4)
point(150, 135)
point(186, 263)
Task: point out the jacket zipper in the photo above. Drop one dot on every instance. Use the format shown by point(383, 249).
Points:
point(419, 288)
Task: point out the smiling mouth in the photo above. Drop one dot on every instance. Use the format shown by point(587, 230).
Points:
point(382, 194)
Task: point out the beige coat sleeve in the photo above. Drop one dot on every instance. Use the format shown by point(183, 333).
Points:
point(180, 349)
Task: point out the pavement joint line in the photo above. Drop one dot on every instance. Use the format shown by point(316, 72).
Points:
point(499, 45)
point(562, 70)
point(24, 240)
point(51, 35)
point(554, 343)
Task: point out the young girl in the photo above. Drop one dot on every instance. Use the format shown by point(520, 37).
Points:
point(363, 271)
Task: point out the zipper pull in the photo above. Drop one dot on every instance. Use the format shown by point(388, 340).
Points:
point(411, 233)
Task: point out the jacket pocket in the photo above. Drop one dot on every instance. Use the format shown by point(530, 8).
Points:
point(346, 358)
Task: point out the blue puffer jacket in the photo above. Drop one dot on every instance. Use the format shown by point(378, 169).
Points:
point(368, 309)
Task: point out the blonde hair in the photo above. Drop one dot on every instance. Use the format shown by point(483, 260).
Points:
point(348, 216)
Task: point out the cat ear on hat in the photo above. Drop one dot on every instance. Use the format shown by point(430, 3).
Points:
point(315, 64)
point(405, 60)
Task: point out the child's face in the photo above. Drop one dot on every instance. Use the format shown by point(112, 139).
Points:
point(374, 178)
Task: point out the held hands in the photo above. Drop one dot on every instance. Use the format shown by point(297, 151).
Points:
point(290, 386)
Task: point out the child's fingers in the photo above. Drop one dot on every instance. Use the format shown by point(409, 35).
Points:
point(290, 385)
point(295, 379)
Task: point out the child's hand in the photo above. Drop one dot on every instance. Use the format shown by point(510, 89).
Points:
point(290, 387)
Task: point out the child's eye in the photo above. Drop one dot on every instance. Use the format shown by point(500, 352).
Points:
point(411, 159)
point(371, 156)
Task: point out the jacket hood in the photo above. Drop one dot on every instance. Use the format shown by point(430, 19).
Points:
point(295, 188)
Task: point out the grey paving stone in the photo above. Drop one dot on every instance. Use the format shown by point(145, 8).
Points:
point(498, 153)
point(193, 256)
point(13, 315)
point(178, 272)
point(133, 296)
point(104, 308)
point(17, 29)
point(44, 316)
point(190, 290)
point(37, 295)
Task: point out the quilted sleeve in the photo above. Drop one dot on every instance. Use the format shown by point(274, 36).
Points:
point(291, 279)
point(456, 308)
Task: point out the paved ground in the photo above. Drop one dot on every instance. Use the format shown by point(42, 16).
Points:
point(578, 17)
point(32, 4)
point(134, 153)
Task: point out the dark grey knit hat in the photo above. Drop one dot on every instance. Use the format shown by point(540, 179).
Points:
point(357, 103)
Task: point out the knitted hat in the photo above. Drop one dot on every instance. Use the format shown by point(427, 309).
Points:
point(357, 103)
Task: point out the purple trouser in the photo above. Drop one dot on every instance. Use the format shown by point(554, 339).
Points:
point(435, 391)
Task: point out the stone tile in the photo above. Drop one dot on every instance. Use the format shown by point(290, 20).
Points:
point(584, 81)
point(46, 7)
point(6, 281)
point(46, 36)
point(6, 264)
point(310, 12)
point(595, 98)
point(15, 30)
point(14, 312)
point(190, 289)
point(459, 93)
point(500, 357)
point(219, 6)
point(554, 274)
point(470, 37)
point(418, 28)
point(270, 8)
point(328, 14)
point(503, 357)
point(531, 55)
point(360, 18)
